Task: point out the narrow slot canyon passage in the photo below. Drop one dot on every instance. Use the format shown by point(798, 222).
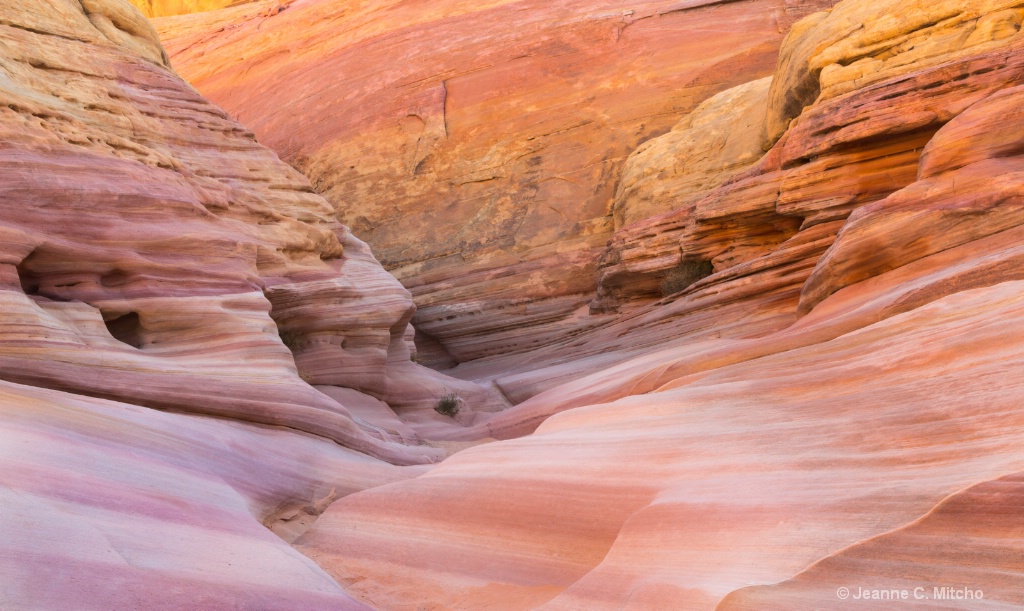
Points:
point(325, 304)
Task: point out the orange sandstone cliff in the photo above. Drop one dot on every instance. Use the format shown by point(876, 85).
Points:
point(155, 257)
point(826, 384)
point(166, 8)
point(475, 146)
point(745, 312)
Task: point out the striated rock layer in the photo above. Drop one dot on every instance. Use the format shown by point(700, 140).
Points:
point(802, 373)
point(835, 405)
point(748, 473)
point(154, 253)
point(764, 229)
point(476, 146)
point(113, 506)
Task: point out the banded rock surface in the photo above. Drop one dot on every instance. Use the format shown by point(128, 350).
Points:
point(826, 405)
point(841, 389)
point(111, 506)
point(764, 229)
point(476, 146)
point(716, 479)
point(154, 253)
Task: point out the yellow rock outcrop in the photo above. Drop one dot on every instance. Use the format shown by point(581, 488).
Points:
point(168, 8)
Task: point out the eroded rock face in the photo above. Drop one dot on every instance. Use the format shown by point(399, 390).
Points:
point(823, 407)
point(476, 147)
point(167, 8)
point(151, 252)
point(971, 185)
point(108, 505)
point(850, 47)
point(154, 253)
point(860, 142)
point(718, 140)
point(840, 397)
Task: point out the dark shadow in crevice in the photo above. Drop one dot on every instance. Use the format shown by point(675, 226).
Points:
point(29, 281)
point(126, 329)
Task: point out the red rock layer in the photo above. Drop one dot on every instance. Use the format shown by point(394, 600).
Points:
point(476, 146)
point(850, 365)
point(154, 253)
point(841, 390)
point(765, 229)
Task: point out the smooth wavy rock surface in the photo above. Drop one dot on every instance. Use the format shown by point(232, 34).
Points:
point(476, 146)
point(833, 402)
point(972, 537)
point(834, 443)
point(113, 506)
point(748, 473)
point(155, 254)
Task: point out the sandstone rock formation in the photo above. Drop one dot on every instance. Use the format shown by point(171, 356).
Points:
point(748, 473)
point(823, 400)
point(834, 403)
point(716, 141)
point(113, 506)
point(477, 146)
point(976, 522)
point(152, 253)
point(167, 8)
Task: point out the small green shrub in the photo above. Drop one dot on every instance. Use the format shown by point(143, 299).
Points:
point(685, 274)
point(448, 405)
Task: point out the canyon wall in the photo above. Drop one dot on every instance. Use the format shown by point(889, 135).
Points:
point(156, 261)
point(476, 146)
point(835, 391)
point(168, 8)
point(784, 358)
point(154, 253)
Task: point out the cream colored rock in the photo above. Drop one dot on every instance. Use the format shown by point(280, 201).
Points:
point(151, 239)
point(116, 20)
point(860, 43)
point(476, 146)
point(719, 139)
point(844, 153)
